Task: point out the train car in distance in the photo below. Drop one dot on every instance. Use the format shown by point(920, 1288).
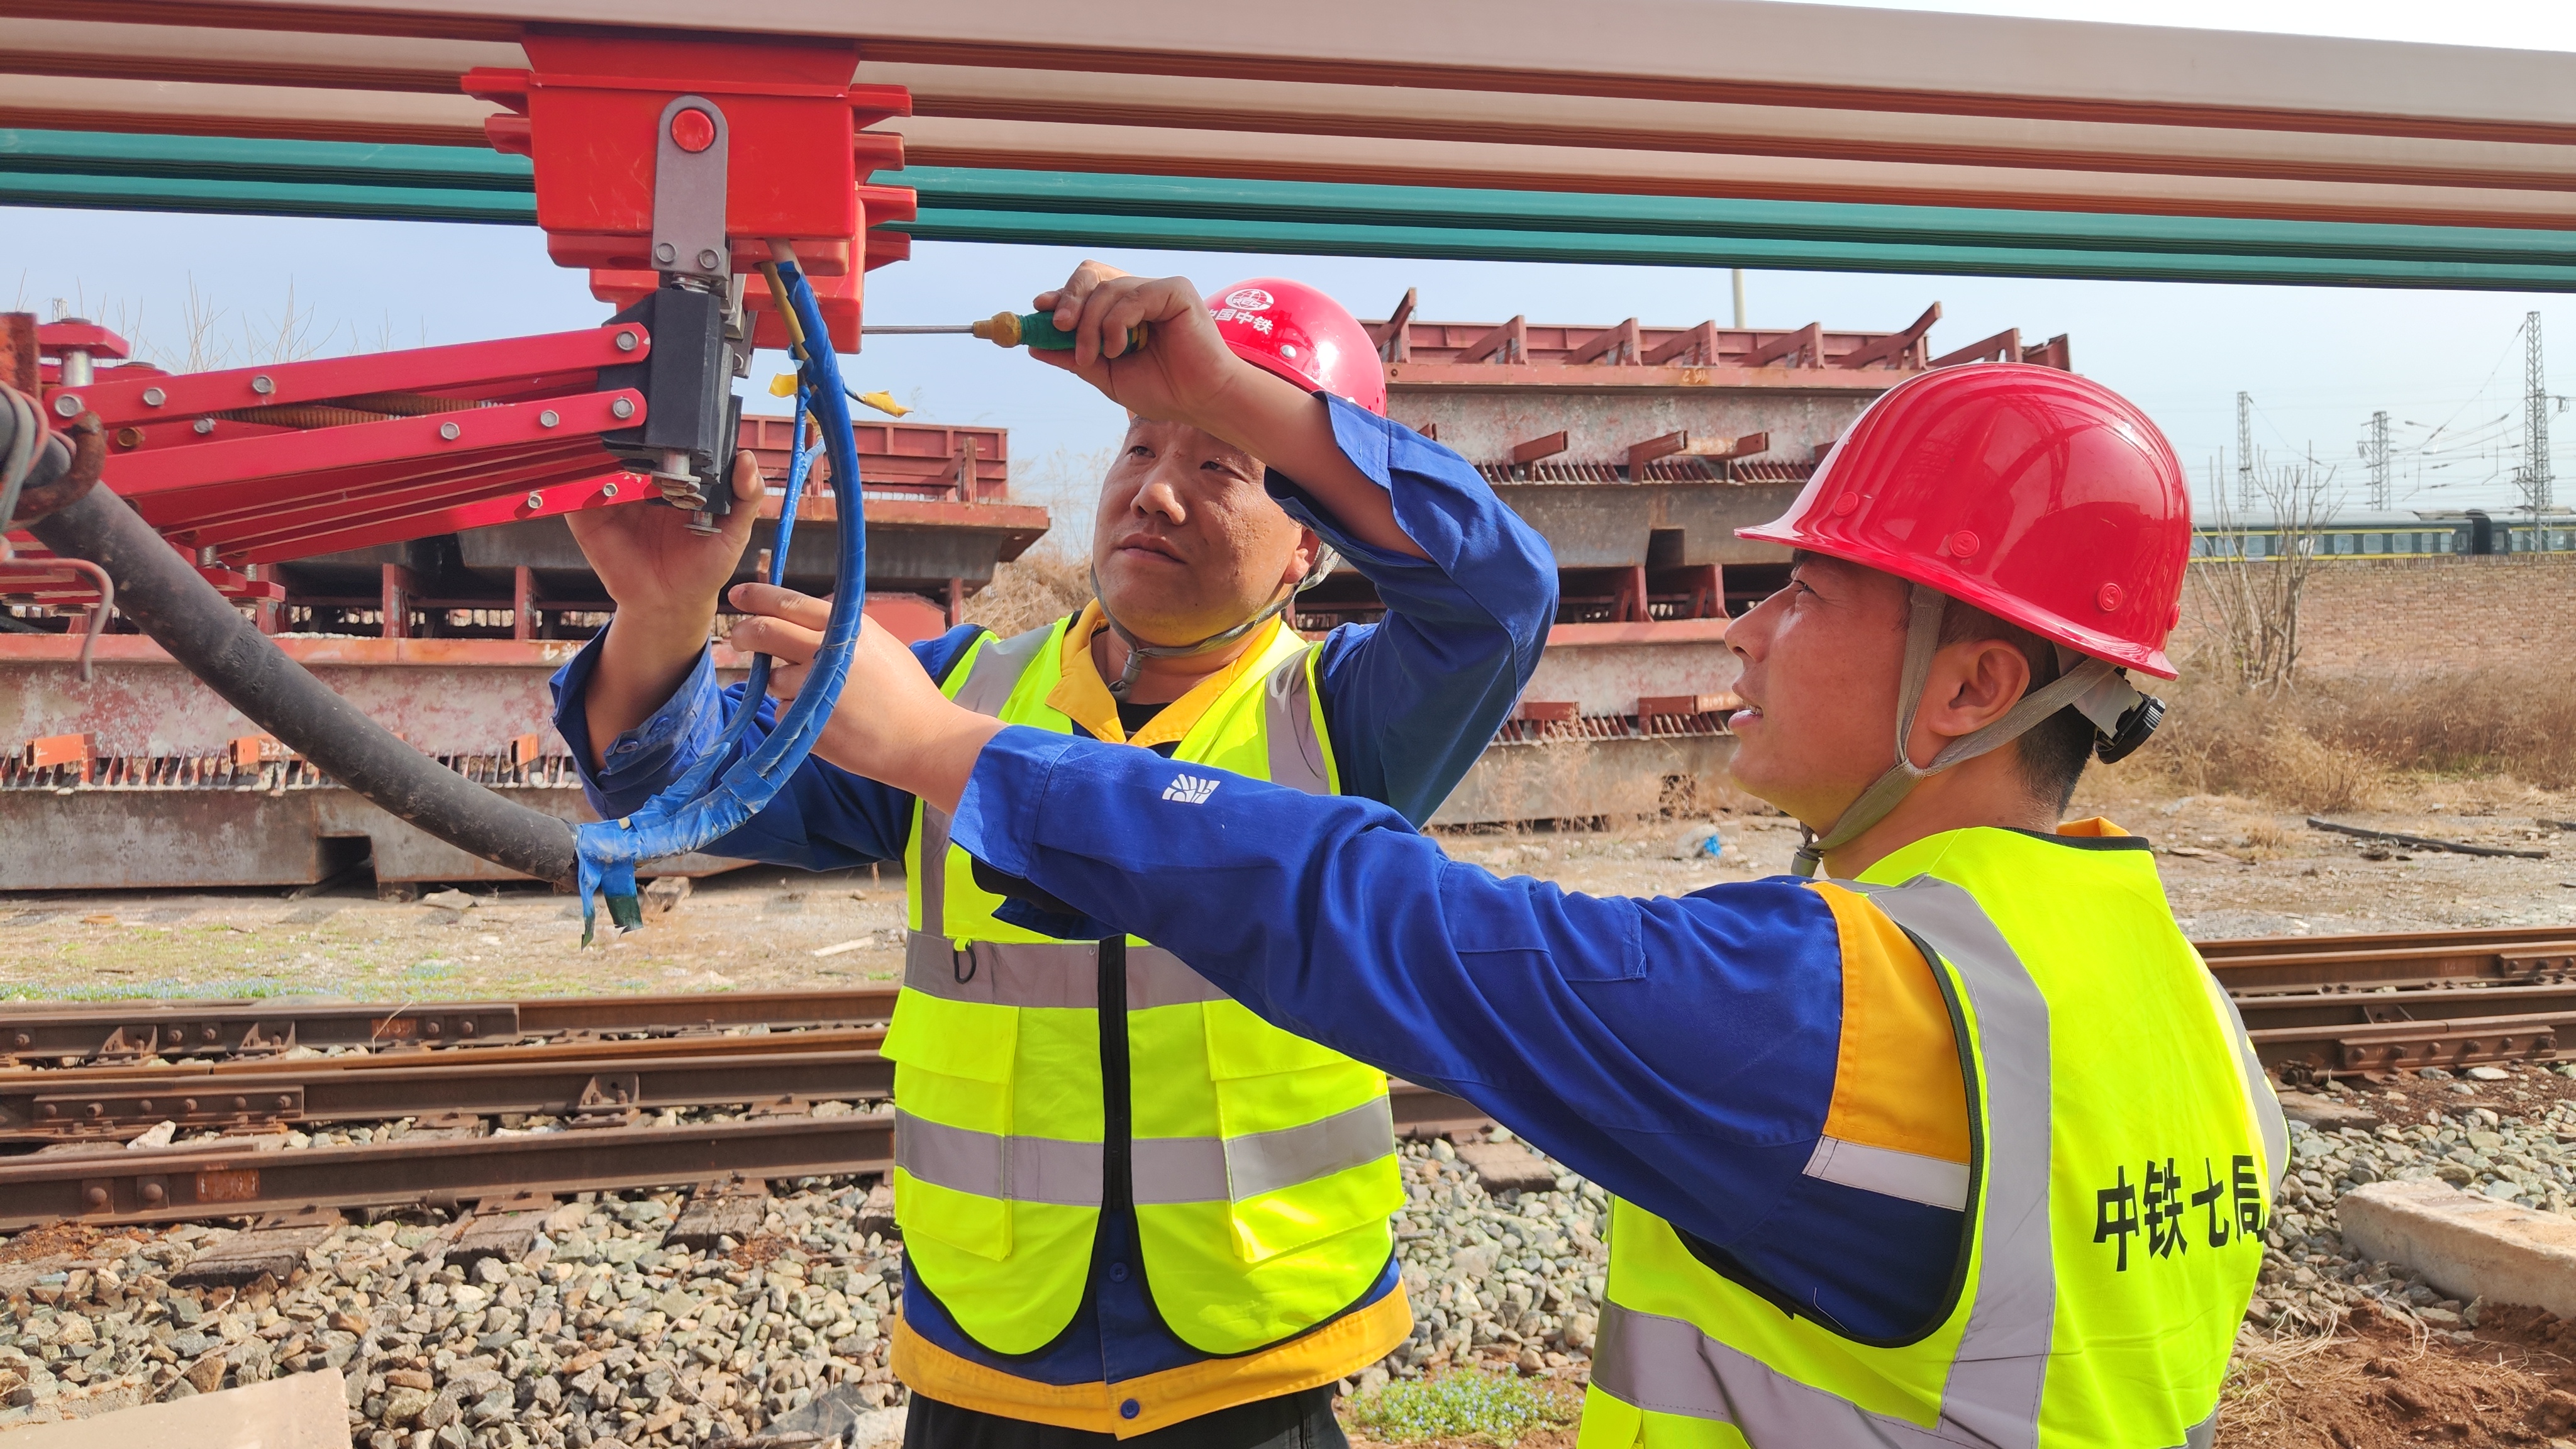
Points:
point(2401, 533)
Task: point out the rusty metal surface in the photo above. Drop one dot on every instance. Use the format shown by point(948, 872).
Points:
point(118, 1184)
point(134, 1030)
point(118, 1105)
point(2536, 956)
point(1482, 422)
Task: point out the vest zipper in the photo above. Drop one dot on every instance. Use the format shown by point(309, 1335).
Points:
point(1117, 1100)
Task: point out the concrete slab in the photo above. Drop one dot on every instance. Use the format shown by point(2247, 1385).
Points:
point(2327, 1114)
point(238, 1261)
point(300, 1411)
point(1506, 1166)
point(719, 1210)
point(2468, 1245)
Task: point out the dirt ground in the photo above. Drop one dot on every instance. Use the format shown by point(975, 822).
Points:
point(2375, 1385)
point(2232, 866)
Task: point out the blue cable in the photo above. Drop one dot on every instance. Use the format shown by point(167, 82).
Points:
point(693, 813)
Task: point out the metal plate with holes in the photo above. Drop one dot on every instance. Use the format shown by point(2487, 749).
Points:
point(137, 1030)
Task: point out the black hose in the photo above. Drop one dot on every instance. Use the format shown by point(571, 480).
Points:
point(167, 599)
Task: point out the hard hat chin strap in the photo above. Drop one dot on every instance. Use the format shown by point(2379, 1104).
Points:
point(2093, 685)
point(1138, 651)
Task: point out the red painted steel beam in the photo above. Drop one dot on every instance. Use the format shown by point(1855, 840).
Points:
point(318, 450)
point(461, 365)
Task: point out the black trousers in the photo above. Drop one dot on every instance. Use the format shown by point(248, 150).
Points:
point(1301, 1420)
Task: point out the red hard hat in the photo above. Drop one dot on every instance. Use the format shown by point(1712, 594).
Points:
point(1304, 336)
point(2034, 494)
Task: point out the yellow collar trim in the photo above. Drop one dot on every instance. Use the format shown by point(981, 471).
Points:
point(1081, 695)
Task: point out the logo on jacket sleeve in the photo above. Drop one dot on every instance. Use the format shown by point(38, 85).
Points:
point(1189, 789)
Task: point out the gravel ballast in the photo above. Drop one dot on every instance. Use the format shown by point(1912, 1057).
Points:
point(599, 1335)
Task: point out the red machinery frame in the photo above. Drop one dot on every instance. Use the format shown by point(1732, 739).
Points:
point(257, 465)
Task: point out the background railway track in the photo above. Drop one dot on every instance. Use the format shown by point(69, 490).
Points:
point(603, 1093)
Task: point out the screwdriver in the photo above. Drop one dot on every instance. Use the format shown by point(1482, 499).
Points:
point(1010, 329)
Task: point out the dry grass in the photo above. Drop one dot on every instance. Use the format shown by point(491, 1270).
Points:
point(2353, 742)
point(1035, 589)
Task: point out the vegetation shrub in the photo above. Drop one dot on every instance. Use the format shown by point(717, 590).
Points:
point(1467, 1404)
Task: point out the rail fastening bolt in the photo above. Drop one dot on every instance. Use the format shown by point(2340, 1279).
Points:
point(284, 1101)
point(96, 1196)
point(241, 1104)
point(153, 1192)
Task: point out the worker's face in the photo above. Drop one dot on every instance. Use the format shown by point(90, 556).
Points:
point(1822, 659)
point(1186, 542)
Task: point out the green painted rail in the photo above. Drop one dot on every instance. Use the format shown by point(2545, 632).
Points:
point(439, 183)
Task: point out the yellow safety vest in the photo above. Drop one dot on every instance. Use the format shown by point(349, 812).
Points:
point(1263, 1166)
point(2124, 1142)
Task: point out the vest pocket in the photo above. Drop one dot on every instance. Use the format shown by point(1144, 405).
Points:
point(953, 1068)
point(1309, 1137)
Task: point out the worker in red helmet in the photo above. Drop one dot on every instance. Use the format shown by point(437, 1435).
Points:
point(1953, 1140)
point(1128, 1204)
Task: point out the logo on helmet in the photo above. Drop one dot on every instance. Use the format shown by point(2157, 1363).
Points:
point(1248, 299)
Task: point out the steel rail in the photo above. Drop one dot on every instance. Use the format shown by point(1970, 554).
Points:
point(121, 1185)
point(143, 1028)
point(113, 1104)
point(2534, 958)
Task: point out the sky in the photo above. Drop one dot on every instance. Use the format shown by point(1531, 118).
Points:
point(2317, 361)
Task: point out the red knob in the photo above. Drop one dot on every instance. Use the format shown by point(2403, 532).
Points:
point(693, 131)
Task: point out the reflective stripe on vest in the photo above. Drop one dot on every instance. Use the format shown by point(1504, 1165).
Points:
point(1039, 973)
point(1992, 1396)
point(1667, 1365)
point(1165, 1169)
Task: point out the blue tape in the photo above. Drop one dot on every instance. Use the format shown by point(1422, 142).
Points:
point(698, 809)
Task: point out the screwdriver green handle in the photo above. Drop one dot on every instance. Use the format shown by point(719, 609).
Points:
point(1038, 330)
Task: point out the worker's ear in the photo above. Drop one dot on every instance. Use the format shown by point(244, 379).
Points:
point(1301, 558)
point(1972, 684)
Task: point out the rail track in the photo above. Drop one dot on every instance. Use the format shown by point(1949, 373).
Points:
point(783, 1084)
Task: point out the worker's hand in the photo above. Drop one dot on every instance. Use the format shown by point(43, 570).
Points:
point(651, 563)
point(664, 580)
point(892, 723)
point(1185, 372)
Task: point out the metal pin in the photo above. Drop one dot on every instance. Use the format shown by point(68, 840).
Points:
point(262, 385)
point(626, 342)
point(536, 500)
point(66, 405)
point(549, 418)
point(622, 408)
point(154, 397)
point(450, 431)
point(203, 426)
